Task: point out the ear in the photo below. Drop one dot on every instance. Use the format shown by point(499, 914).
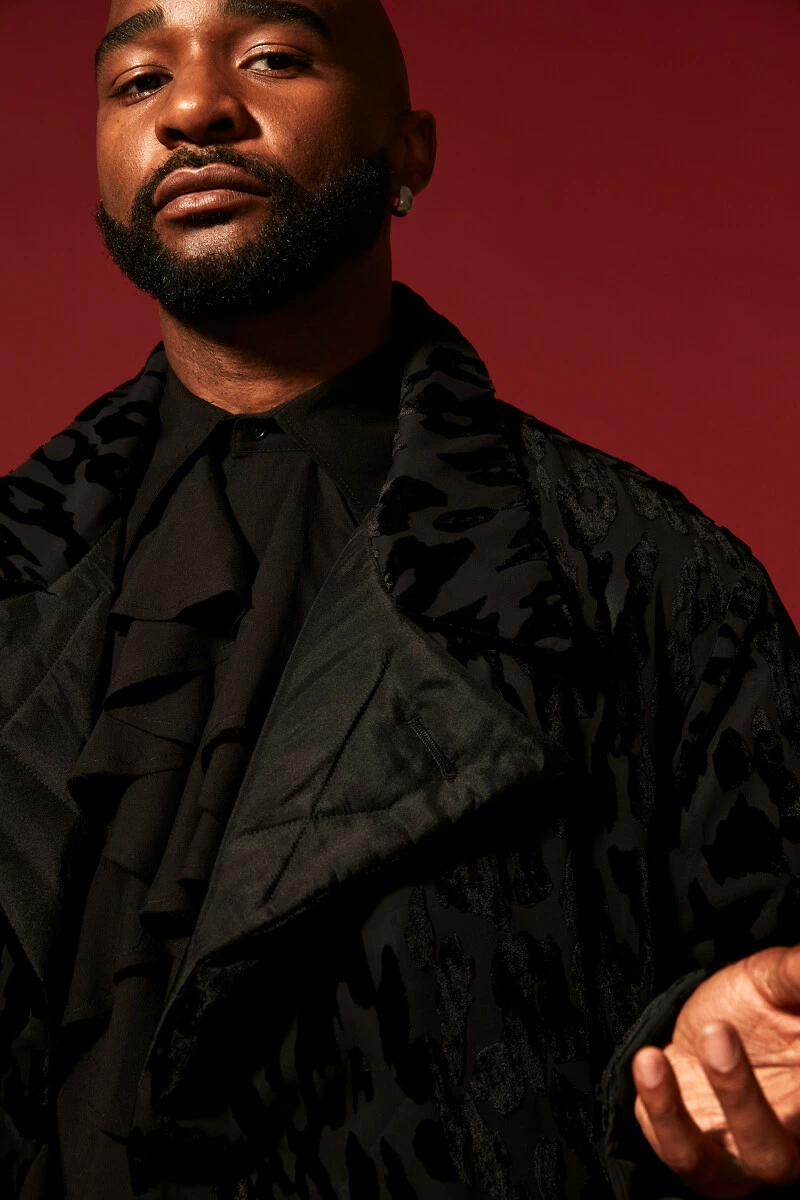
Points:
point(412, 149)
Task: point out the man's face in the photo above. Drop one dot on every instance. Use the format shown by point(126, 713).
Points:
point(276, 98)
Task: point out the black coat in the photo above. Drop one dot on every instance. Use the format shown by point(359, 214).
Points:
point(533, 764)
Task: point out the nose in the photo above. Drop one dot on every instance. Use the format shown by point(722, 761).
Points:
point(201, 108)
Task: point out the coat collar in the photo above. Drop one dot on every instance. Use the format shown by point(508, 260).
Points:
point(454, 548)
point(457, 531)
point(457, 504)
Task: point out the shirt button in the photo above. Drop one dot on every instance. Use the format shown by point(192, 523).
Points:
point(255, 431)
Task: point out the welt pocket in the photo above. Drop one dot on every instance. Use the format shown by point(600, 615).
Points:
point(389, 754)
point(447, 768)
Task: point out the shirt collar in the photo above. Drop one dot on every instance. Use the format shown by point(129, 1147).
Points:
point(346, 424)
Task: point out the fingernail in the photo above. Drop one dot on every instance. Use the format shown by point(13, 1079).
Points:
point(720, 1047)
point(650, 1070)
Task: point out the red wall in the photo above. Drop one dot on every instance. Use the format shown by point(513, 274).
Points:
point(615, 222)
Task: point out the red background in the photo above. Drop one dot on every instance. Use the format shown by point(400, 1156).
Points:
point(615, 222)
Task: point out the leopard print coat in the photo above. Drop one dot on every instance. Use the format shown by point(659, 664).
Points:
point(532, 772)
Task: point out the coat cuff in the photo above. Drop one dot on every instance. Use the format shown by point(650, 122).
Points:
point(633, 1169)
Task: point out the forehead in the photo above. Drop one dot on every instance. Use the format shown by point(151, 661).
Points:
point(196, 12)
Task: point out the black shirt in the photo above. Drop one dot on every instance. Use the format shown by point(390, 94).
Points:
point(234, 529)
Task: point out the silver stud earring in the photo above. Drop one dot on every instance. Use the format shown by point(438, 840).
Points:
point(404, 202)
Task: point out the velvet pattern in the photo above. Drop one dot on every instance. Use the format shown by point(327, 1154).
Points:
point(531, 772)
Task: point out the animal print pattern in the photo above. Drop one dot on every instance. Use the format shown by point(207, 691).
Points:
point(443, 1031)
point(60, 502)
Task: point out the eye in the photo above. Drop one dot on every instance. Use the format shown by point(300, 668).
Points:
point(141, 86)
point(277, 62)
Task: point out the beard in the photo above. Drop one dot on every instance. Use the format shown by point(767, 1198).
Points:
point(306, 237)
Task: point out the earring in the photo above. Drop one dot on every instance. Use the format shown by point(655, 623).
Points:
point(404, 202)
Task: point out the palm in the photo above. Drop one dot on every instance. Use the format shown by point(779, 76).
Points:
point(720, 1105)
point(769, 1032)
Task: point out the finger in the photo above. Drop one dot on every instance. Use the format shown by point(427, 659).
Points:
point(672, 1132)
point(768, 1152)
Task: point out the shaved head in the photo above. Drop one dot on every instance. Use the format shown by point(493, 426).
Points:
point(377, 48)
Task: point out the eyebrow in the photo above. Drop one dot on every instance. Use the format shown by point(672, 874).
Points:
point(283, 12)
point(128, 31)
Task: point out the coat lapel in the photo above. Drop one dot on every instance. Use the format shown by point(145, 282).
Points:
point(375, 742)
point(59, 535)
point(50, 673)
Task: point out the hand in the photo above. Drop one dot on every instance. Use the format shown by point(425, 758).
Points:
point(720, 1105)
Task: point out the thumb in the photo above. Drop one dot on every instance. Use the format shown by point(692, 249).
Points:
point(777, 974)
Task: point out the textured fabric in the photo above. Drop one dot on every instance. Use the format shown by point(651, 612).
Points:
point(533, 761)
point(232, 533)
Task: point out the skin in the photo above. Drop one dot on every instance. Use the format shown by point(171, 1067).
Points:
point(208, 78)
point(721, 1104)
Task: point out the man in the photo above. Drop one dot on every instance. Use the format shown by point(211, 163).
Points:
point(381, 770)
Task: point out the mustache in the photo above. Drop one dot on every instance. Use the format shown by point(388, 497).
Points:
point(275, 177)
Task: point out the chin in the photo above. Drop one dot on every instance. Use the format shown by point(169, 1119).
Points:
point(208, 236)
point(205, 245)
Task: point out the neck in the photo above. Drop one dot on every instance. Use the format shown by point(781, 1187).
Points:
point(254, 363)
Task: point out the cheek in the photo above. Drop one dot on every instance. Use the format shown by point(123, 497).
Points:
point(315, 138)
point(120, 168)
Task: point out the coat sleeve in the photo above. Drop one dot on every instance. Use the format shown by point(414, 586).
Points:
point(734, 846)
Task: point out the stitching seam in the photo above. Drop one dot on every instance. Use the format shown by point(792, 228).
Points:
point(331, 771)
point(9, 753)
point(316, 454)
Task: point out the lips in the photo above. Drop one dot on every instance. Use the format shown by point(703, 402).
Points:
point(218, 183)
